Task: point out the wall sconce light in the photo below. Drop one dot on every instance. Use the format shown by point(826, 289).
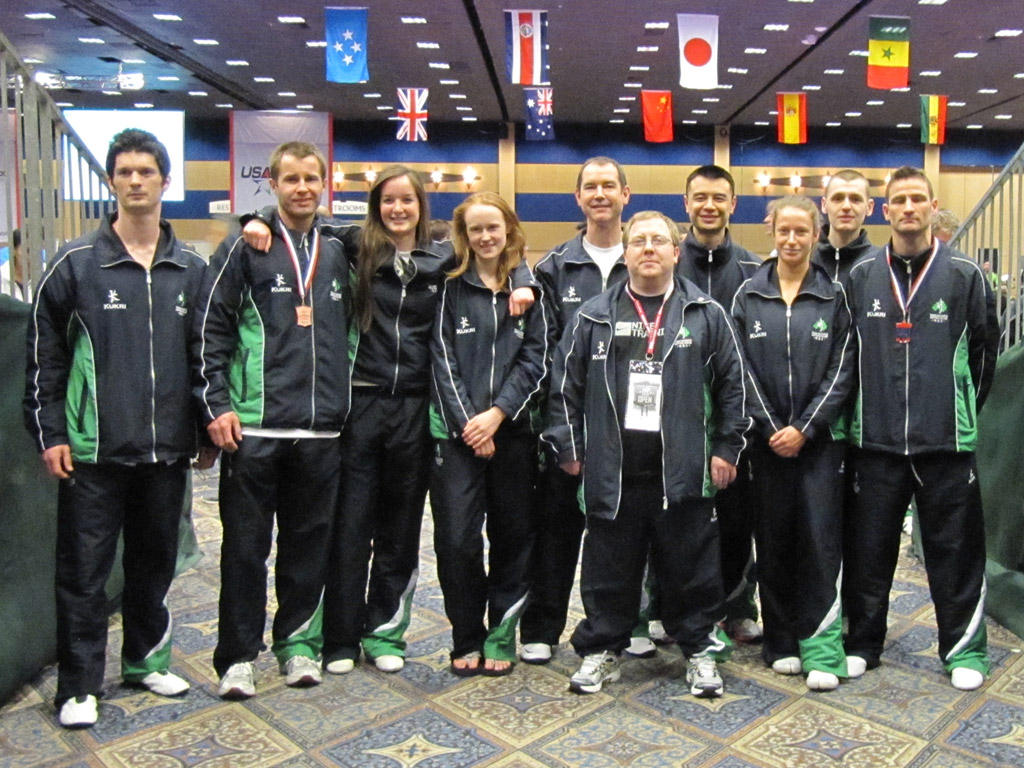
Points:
point(371, 176)
point(469, 176)
point(763, 180)
point(437, 178)
point(825, 180)
point(795, 181)
point(338, 179)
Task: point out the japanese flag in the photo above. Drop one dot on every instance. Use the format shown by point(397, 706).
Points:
point(698, 50)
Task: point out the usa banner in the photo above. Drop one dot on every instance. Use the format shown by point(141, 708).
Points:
point(526, 47)
point(412, 114)
point(254, 135)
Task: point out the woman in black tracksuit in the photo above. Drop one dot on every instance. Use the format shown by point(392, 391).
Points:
point(488, 368)
point(795, 327)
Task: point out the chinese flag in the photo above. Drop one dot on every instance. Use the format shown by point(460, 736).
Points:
point(657, 106)
point(792, 109)
point(889, 52)
point(933, 119)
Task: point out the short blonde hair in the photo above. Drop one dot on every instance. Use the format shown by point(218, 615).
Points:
point(673, 230)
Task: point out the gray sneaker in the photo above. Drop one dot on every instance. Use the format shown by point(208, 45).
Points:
point(703, 678)
point(301, 672)
point(239, 682)
point(596, 670)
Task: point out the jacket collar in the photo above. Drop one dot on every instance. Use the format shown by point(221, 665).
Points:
point(601, 308)
point(765, 281)
point(167, 248)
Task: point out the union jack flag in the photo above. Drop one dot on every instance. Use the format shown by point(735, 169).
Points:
point(544, 102)
point(412, 114)
point(540, 111)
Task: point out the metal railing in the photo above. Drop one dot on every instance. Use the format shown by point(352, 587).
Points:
point(994, 235)
point(51, 185)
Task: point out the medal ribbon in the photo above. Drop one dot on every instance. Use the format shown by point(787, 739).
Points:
point(905, 305)
point(652, 328)
point(307, 281)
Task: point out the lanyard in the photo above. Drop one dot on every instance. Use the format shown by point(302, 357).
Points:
point(304, 281)
point(652, 328)
point(905, 305)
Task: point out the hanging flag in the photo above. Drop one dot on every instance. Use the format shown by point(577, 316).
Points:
point(792, 109)
point(657, 108)
point(933, 119)
point(540, 111)
point(889, 52)
point(526, 47)
point(346, 34)
point(698, 50)
point(412, 114)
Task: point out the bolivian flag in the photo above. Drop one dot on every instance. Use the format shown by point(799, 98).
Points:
point(889, 52)
point(792, 109)
point(933, 119)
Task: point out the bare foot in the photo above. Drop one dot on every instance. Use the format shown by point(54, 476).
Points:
point(466, 664)
point(497, 666)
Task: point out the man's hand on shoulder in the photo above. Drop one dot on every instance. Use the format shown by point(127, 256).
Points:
point(226, 431)
point(520, 301)
point(257, 235)
point(57, 459)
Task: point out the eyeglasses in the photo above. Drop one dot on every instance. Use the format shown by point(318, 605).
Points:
point(658, 241)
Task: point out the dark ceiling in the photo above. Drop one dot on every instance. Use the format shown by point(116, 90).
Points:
point(593, 44)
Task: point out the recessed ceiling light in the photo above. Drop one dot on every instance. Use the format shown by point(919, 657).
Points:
point(133, 61)
point(1019, 76)
point(143, 105)
point(237, 63)
point(627, 98)
point(204, 41)
point(456, 95)
point(776, 27)
point(33, 60)
point(711, 100)
point(773, 112)
point(689, 122)
point(931, 2)
point(303, 106)
point(724, 86)
point(166, 17)
point(463, 109)
point(988, 90)
point(647, 49)
point(853, 114)
point(39, 16)
point(65, 104)
point(168, 78)
point(371, 95)
point(755, 50)
point(965, 55)
point(286, 93)
point(92, 40)
point(957, 104)
point(899, 90)
point(875, 103)
point(930, 73)
point(835, 71)
point(737, 70)
point(291, 19)
point(616, 120)
point(448, 82)
point(1009, 32)
point(656, 25)
point(198, 93)
point(801, 1)
point(632, 85)
point(904, 125)
point(111, 93)
point(974, 126)
point(384, 107)
point(413, 20)
point(858, 52)
point(761, 122)
point(639, 68)
point(833, 125)
point(225, 106)
point(263, 79)
point(811, 88)
point(699, 111)
point(440, 65)
point(316, 43)
point(621, 111)
point(428, 45)
point(469, 119)
point(1003, 117)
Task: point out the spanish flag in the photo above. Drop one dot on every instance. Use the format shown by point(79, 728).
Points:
point(933, 119)
point(792, 109)
point(657, 109)
point(889, 52)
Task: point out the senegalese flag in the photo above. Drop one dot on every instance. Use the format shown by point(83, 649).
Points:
point(792, 109)
point(933, 119)
point(889, 52)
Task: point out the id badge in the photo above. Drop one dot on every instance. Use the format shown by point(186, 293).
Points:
point(643, 401)
point(903, 332)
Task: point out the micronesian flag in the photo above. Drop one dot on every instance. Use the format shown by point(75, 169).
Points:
point(345, 31)
point(698, 50)
point(540, 112)
point(412, 114)
point(526, 47)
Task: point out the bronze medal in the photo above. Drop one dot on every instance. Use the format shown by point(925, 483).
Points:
point(304, 315)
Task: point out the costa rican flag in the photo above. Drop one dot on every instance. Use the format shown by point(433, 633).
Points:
point(526, 49)
point(412, 114)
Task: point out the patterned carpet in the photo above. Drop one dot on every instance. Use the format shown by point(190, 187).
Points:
point(903, 714)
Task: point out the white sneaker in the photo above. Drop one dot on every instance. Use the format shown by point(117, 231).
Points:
point(239, 682)
point(535, 653)
point(79, 712)
point(389, 662)
point(855, 667)
point(641, 647)
point(596, 670)
point(301, 672)
point(703, 678)
point(821, 681)
point(788, 665)
point(966, 679)
point(657, 632)
point(165, 683)
point(340, 666)
point(744, 631)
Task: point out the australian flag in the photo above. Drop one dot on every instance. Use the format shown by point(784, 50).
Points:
point(346, 35)
point(540, 112)
point(412, 114)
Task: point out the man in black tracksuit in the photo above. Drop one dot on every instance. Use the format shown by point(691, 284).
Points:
point(718, 267)
point(926, 363)
point(644, 369)
point(107, 400)
point(847, 202)
point(272, 381)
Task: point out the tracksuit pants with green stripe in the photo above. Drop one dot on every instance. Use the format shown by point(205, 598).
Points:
point(464, 490)
point(93, 506)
